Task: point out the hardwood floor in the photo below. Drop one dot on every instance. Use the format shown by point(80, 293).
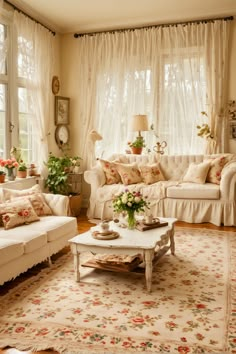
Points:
point(84, 225)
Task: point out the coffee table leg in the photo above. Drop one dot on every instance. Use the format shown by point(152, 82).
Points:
point(76, 267)
point(172, 242)
point(148, 257)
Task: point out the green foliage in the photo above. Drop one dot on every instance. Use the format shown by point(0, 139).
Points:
point(22, 166)
point(204, 130)
point(138, 142)
point(57, 179)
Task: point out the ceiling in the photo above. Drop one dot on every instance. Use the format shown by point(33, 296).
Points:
point(66, 16)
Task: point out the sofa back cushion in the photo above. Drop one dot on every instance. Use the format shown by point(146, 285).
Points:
point(110, 171)
point(129, 173)
point(151, 173)
point(197, 173)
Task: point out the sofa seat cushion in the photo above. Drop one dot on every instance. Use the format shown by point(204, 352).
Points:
point(194, 191)
point(31, 237)
point(9, 250)
point(56, 226)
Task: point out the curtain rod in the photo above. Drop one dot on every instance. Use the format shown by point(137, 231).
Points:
point(24, 13)
point(229, 18)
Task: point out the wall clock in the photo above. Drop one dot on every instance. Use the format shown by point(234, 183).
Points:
point(62, 135)
point(55, 85)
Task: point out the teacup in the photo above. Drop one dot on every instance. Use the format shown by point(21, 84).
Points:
point(104, 226)
point(149, 219)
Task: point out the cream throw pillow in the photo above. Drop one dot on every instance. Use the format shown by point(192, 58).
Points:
point(110, 171)
point(38, 202)
point(151, 173)
point(17, 213)
point(129, 173)
point(8, 194)
point(197, 173)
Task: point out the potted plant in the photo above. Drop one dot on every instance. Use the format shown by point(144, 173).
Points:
point(2, 176)
point(137, 145)
point(58, 182)
point(22, 170)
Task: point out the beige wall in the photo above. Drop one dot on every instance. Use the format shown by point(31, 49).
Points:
point(69, 65)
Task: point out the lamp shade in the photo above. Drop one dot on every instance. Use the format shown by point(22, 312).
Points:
point(139, 123)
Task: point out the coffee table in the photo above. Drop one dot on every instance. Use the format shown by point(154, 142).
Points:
point(130, 242)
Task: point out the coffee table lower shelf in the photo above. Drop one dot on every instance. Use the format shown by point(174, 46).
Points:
point(137, 266)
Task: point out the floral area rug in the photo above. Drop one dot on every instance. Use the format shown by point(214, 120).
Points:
point(191, 308)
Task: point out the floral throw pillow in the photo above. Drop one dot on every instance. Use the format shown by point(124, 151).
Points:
point(17, 213)
point(197, 173)
point(151, 173)
point(216, 167)
point(129, 173)
point(110, 170)
point(38, 202)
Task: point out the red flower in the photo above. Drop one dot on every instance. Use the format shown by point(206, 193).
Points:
point(20, 329)
point(183, 350)
point(138, 320)
point(201, 306)
point(183, 339)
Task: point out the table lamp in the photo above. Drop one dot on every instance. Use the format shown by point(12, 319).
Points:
point(139, 123)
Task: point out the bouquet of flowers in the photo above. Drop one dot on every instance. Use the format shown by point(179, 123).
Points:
point(129, 202)
point(9, 163)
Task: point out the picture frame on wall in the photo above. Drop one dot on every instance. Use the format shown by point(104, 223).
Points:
point(62, 110)
point(232, 129)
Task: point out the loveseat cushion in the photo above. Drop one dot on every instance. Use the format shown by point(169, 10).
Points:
point(110, 170)
point(9, 250)
point(129, 173)
point(216, 167)
point(194, 191)
point(13, 193)
point(29, 235)
point(56, 226)
point(151, 173)
point(197, 172)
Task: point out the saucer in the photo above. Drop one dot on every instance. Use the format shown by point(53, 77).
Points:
point(111, 235)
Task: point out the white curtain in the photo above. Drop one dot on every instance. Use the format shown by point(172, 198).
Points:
point(169, 73)
point(35, 63)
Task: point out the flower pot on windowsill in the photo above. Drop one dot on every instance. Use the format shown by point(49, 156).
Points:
point(21, 174)
point(2, 177)
point(136, 150)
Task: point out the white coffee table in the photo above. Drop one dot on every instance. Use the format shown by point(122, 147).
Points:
point(130, 242)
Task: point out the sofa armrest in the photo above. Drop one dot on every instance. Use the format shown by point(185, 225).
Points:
point(95, 177)
point(58, 203)
point(228, 182)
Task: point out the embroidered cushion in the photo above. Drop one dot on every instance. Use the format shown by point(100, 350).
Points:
point(151, 173)
point(38, 202)
point(216, 167)
point(129, 173)
point(17, 213)
point(111, 173)
point(197, 173)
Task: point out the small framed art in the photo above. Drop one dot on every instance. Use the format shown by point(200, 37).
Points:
point(232, 129)
point(62, 110)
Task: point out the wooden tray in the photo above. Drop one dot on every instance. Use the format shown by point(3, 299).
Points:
point(144, 227)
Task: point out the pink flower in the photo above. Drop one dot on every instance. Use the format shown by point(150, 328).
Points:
point(138, 320)
point(20, 329)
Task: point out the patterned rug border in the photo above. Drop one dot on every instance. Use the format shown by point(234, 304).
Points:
point(49, 272)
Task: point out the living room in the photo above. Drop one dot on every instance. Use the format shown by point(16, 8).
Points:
point(97, 66)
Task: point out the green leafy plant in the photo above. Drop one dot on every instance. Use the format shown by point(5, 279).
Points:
point(58, 171)
point(22, 166)
point(2, 172)
point(139, 142)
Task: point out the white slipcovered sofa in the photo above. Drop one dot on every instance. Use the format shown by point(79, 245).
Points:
point(178, 193)
point(39, 237)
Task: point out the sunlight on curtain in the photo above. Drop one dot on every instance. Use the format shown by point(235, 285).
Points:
point(35, 53)
point(169, 73)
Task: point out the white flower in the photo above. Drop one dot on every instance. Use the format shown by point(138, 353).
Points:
point(137, 199)
point(124, 198)
point(129, 204)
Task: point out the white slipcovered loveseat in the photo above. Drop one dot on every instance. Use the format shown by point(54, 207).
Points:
point(191, 188)
point(34, 226)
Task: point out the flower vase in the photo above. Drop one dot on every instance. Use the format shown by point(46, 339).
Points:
point(131, 220)
point(11, 174)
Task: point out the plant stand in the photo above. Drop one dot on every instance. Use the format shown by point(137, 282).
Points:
point(75, 204)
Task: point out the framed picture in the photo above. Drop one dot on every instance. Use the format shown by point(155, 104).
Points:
point(232, 129)
point(62, 110)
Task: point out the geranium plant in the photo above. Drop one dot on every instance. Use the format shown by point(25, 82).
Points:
point(139, 142)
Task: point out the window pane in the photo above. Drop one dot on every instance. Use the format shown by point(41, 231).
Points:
point(25, 62)
point(3, 49)
point(27, 139)
point(2, 120)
